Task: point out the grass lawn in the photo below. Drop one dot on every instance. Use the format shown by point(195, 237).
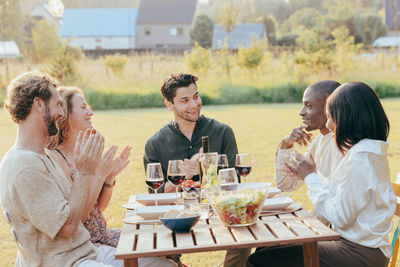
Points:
point(258, 129)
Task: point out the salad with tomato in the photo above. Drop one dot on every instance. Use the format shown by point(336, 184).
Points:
point(239, 207)
point(190, 183)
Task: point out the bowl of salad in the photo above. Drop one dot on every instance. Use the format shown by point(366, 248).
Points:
point(236, 205)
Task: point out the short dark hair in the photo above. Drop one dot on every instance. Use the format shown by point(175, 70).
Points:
point(175, 81)
point(358, 114)
point(324, 88)
point(22, 91)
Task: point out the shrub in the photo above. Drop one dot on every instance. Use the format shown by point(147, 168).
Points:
point(198, 60)
point(251, 57)
point(103, 101)
point(116, 64)
point(63, 66)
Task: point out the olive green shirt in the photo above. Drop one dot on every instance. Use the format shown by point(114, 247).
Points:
point(170, 144)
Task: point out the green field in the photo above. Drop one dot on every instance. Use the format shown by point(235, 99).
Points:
point(258, 129)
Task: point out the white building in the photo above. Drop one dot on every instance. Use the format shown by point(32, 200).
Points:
point(9, 49)
point(99, 29)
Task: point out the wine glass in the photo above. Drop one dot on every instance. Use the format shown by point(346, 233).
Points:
point(175, 174)
point(243, 166)
point(154, 177)
point(227, 176)
point(222, 162)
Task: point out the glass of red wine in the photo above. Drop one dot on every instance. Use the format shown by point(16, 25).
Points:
point(175, 174)
point(154, 177)
point(243, 166)
point(222, 162)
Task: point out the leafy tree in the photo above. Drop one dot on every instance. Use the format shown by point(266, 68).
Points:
point(270, 30)
point(227, 18)
point(11, 20)
point(46, 43)
point(368, 28)
point(306, 17)
point(345, 50)
point(198, 60)
point(202, 31)
point(63, 66)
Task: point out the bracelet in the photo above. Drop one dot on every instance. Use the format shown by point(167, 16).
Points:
point(109, 185)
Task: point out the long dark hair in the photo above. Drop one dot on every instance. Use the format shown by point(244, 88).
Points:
point(358, 114)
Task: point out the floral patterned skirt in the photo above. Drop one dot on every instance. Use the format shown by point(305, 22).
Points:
point(99, 233)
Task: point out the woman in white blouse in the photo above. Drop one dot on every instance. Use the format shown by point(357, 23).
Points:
point(358, 201)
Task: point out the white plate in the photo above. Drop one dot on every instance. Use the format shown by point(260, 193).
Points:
point(131, 205)
point(162, 199)
point(273, 191)
point(253, 185)
point(278, 203)
point(154, 212)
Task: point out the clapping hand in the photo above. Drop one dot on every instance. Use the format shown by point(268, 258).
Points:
point(120, 163)
point(88, 150)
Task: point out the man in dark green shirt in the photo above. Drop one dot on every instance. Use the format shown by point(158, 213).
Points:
point(181, 138)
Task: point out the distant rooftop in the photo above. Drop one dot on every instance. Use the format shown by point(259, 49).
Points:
point(166, 11)
point(241, 35)
point(94, 22)
point(387, 41)
point(9, 49)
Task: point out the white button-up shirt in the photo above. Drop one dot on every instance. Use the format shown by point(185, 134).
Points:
point(326, 156)
point(358, 199)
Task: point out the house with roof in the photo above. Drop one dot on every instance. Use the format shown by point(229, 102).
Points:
point(164, 25)
point(9, 49)
point(241, 36)
point(42, 12)
point(100, 29)
point(387, 42)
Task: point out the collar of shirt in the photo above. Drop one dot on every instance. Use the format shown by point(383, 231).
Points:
point(199, 123)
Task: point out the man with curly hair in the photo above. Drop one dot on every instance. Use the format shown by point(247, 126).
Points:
point(43, 208)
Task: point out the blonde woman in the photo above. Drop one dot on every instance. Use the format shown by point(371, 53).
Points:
point(78, 118)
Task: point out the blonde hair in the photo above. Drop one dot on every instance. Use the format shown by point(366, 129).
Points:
point(66, 94)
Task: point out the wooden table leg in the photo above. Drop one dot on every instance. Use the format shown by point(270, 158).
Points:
point(310, 254)
point(131, 262)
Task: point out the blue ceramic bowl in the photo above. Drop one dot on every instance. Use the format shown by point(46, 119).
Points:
point(181, 225)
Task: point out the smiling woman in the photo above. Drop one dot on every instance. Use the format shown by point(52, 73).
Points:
point(78, 118)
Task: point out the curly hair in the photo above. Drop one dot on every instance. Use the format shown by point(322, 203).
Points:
point(22, 91)
point(175, 81)
point(66, 94)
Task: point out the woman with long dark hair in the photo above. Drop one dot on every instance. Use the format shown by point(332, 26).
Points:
point(358, 201)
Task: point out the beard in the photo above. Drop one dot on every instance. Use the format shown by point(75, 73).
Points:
point(50, 123)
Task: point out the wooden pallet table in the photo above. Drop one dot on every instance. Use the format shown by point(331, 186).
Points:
point(300, 227)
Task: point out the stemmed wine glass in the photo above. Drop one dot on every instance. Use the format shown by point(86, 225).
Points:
point(175, 174)
point(222, 162)
point(227, 176)
point(154, 177)
point(243, 166)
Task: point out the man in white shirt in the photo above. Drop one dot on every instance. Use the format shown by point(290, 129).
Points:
point(322, 149)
